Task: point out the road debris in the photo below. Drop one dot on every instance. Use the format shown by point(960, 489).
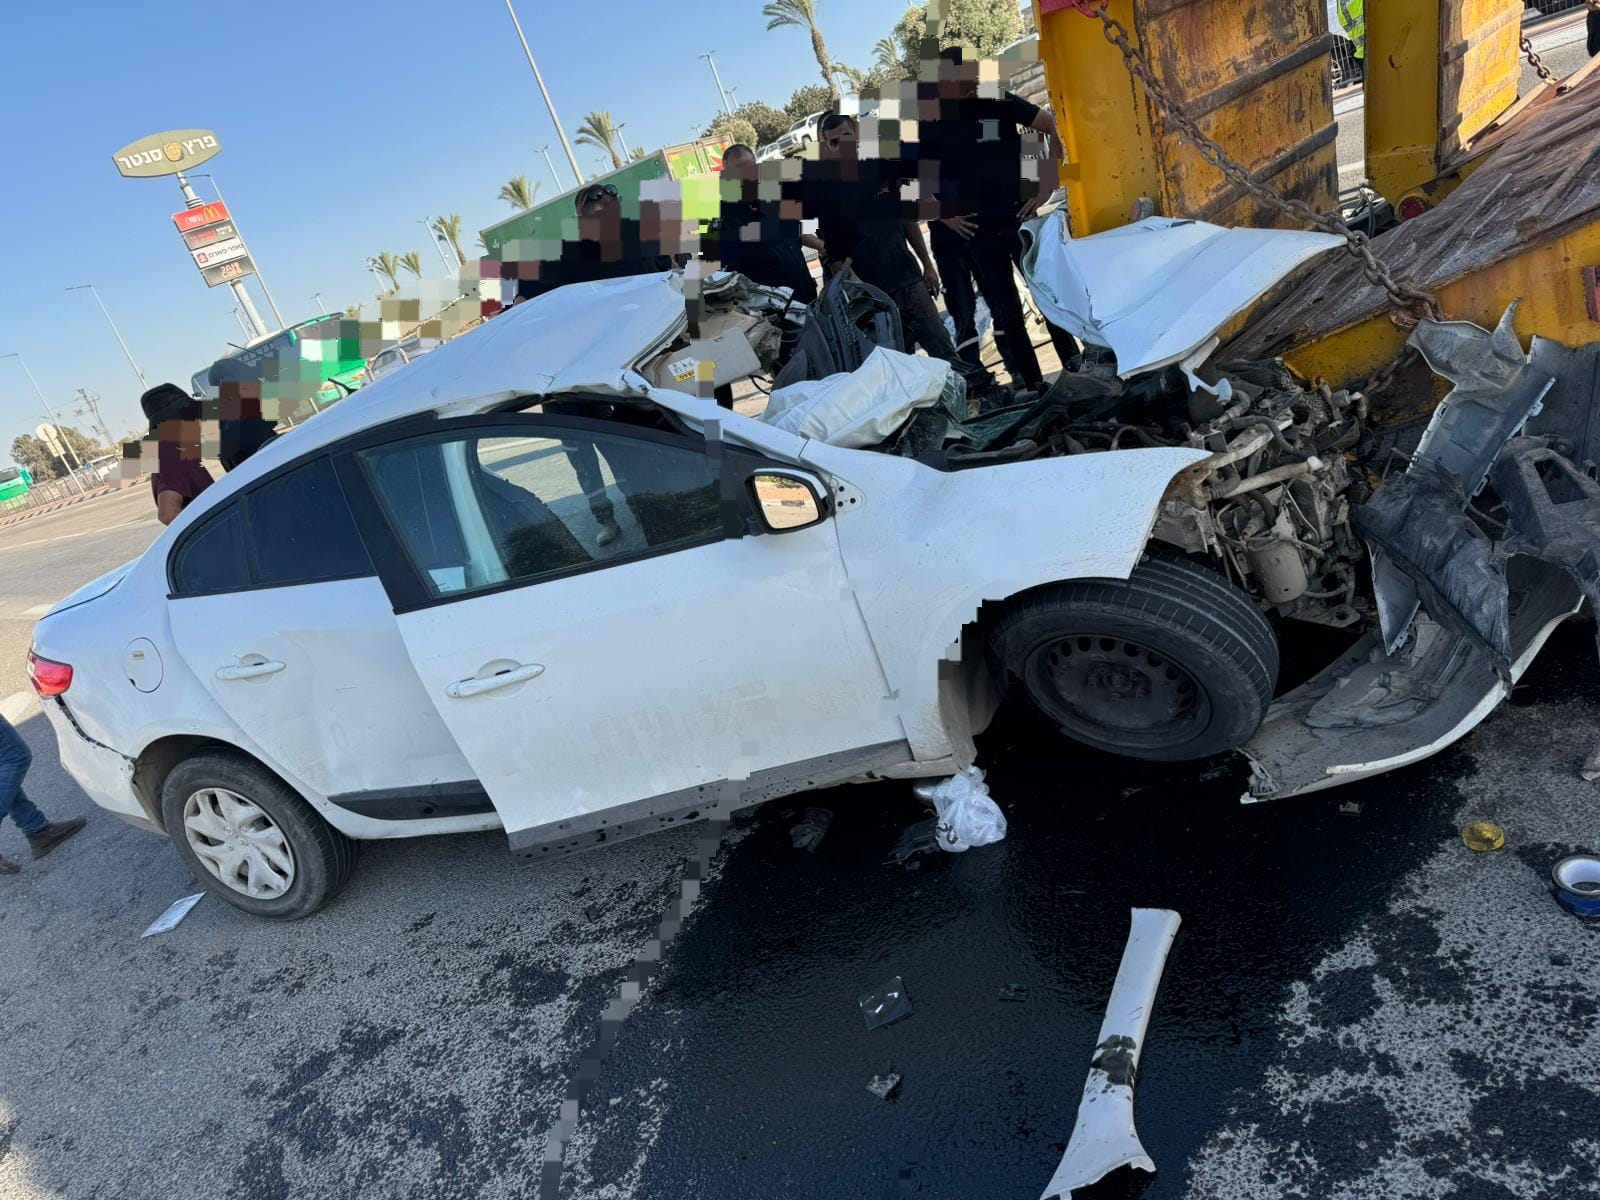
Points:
point(808, 834)
point(1352, 808)
point(920, 837)
point(176, 911)
point(885, 1085)
point(1575, 883)
point(1483, 836)
point(886, 1005)
point(1014, 992)
point(1104, 1137)
point(967, 816)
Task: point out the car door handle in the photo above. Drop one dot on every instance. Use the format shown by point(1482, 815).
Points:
point(462, 688)
point(249, 670)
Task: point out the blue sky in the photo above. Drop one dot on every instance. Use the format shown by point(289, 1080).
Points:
point(341, 124)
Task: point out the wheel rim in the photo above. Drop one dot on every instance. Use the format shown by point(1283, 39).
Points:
point(1117, 691)
point(238, 843)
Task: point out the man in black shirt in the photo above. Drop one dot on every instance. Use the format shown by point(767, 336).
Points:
point(862, 219)
point(609, 246)
point(753, 237)
point(971, 156)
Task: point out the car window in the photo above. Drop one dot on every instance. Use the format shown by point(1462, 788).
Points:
point(302, 531)
point(483, 508)
point(212, 558)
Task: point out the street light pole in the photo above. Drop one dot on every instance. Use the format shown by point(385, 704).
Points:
point(545, 150)
point(572, 158)
point(321, 307)
point(260, 278)
point(627, 154)
point(433, 236)
point(726, 107)
point(138, 374)
point(54, 420)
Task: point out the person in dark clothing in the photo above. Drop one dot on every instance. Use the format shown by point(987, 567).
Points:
point(862, 220)
point(43, 834)
point(1594, 32)
point(751, 236)
point(609, 246)
point(954, 264)
point(179, 477)
point(242, 429)
point(971, 157)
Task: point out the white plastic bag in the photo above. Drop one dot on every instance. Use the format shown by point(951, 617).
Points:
point(967, 817)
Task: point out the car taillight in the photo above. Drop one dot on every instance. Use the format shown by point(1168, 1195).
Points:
point(49, 678)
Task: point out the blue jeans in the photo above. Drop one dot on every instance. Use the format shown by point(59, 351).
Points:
point(14, 760)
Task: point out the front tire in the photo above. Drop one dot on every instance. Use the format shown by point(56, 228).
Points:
point(1172, 664)
point(250, 839)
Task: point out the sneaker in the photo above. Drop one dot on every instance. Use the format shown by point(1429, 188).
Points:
point(53, 834)
point(610, 531)
point(7, 867)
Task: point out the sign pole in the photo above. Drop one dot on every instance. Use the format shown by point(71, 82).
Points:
point(260, 278)
point(243, 297)
point(54, 421)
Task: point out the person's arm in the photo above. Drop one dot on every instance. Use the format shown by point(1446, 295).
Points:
point(813, 242)
point(919, 247)
point(168, 505)
point(1049, 166)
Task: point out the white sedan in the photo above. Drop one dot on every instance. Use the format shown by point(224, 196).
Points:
point(412, 616)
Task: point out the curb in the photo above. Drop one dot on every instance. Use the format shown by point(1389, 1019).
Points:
point(31, 513)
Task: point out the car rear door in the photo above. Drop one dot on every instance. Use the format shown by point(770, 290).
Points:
point(277, 610)
point(602, 686)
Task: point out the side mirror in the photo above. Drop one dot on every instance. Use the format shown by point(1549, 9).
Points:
point(788, 500)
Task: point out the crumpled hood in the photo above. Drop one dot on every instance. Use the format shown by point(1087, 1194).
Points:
point(92, 590)
point(1158, 290)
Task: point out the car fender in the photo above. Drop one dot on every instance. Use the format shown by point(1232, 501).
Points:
point(924, 549)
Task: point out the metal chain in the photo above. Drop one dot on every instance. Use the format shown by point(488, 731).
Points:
point(1536, 62)
point(1405, 296)
point(1384, 375)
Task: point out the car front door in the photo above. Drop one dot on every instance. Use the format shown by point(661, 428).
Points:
point(610, 647)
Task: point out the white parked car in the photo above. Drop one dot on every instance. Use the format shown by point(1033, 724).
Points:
point(799, 135)
point(398, 355)
point(404, 621)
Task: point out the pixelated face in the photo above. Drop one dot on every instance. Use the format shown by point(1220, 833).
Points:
point(599, 200)
point(741, 164)
point(958, 81)
point(842, 140)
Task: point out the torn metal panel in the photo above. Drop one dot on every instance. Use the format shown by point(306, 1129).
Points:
point(1370, 712)
point(1157, 290)
point(1496, 391)
point(1104, 1137)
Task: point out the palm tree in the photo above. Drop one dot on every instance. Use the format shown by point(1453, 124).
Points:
point(804, 14)
point(600, 131)
point(886, 56)
point(638, 153)
point(412, 262)
point(856, 79)
point(518, 194)
point(449, 228)
point(389, 266)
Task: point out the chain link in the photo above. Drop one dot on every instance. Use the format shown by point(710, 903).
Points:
point(1537, 63)
point(1406, 297)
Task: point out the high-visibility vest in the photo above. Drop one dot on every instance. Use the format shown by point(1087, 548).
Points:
point(1352, 16)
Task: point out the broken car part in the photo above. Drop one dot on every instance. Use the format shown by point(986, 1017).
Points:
point(885, 1085)
point(1575, 883)
point(176, 911)
point(1104, 1137)
point(808, 834)
point(1483, 836)
point(886, 1005)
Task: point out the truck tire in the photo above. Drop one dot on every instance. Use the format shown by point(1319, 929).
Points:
point(1172, 664)
point(251, 839)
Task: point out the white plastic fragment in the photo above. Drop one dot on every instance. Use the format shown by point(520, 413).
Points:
point(1104, 1137)
point(967, 817)
point(176, 911)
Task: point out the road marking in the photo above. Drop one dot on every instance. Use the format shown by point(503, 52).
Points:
point(17, 706)
point(61, 537)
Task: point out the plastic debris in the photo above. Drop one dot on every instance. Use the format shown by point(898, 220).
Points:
point(920, 837)
point(886, 1005)
point(967, 816)
point(1352, 808)
point(1014, 992)
point(884, 1086)
point(1483, 836)
point(1590, 771)
point(176, 911)
point(1104, 1137)
point(810, 832)
point(1575, 883)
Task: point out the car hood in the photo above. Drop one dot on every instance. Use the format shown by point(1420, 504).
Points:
point(92, 590)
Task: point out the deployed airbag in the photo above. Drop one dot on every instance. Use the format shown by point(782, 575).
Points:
point(865, 406)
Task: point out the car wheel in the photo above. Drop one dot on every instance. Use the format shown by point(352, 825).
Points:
point(250, 839)
point(1174, 663)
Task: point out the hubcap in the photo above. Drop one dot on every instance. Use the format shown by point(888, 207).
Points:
point(238, 843)
point(1117, 690)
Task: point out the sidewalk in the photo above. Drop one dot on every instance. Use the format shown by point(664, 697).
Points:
point(27, 514)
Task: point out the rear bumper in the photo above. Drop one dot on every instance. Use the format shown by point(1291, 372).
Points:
point(104, 774)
